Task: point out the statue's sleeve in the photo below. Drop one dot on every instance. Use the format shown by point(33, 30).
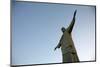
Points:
point(70, 27)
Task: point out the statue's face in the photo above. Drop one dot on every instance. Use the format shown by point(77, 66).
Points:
point(63, 29)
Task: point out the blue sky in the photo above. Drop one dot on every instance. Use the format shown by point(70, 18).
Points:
point(36, 30)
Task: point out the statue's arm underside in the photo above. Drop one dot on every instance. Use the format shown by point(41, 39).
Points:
point(69, 29)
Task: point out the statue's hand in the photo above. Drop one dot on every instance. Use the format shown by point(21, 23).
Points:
point(75, 13)
point(58, 46)
point(55, 48)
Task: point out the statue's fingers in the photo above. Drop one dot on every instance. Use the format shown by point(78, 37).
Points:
point(75, 13)
point(55, 48)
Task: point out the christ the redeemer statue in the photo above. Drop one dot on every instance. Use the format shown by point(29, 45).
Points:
point(69, 53)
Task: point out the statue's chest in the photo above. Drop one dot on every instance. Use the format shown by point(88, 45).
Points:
point(66, 37)
point(67, 43)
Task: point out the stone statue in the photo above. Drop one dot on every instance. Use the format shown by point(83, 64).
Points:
point(69, 53)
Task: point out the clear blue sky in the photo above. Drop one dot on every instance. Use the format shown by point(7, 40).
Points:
point(36, 30)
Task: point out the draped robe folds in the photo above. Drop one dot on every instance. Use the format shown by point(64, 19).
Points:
point(68, 49)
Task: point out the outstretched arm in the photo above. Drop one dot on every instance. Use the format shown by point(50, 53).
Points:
point(72, 23)
point(59, 44)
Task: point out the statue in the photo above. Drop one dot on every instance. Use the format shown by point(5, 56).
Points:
point(69, 53)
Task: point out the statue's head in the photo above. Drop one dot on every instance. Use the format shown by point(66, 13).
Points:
point(63, 29)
